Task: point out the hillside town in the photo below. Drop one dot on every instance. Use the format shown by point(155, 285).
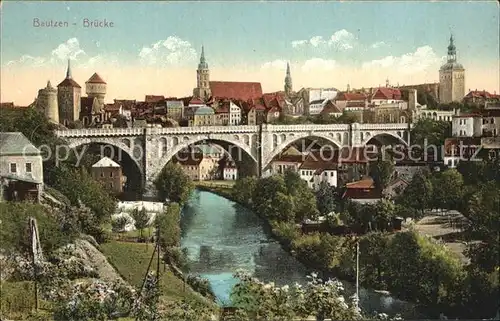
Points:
point(235, 203)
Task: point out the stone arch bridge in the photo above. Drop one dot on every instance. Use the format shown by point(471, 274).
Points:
point(152, 148)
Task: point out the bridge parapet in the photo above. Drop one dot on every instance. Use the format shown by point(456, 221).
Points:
point(203, 130)
point(91, 132)
point(389, 126)
point(307, 127)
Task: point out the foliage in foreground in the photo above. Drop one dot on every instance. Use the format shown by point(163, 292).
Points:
point(173, 184)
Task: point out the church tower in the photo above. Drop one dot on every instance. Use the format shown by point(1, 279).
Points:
point(96, 87)
point(47, 102)
point(451, 78)
point(288, 80)
point(202, 89)
point(68, 98)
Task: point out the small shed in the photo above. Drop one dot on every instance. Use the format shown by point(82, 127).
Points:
point(397, 223)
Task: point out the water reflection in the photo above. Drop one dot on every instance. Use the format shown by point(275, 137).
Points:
point(222, 237)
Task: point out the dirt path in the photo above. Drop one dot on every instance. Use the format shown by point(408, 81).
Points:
point(445, 226)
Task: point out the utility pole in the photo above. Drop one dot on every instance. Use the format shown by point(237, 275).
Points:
point(357, 274)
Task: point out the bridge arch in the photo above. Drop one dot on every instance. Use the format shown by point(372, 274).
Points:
point(331, 139)
point(240, 151)
point(135, 177)
point(400, 137)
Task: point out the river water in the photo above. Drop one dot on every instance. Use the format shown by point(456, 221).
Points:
point(222, 237)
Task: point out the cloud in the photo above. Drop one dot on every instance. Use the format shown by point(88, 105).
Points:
point(171, 51)
point(68, 50)
point(340, 40)
point(275, 64)
point(298, 43)
point(317, 64)
point(378, 44)
point(412, 62)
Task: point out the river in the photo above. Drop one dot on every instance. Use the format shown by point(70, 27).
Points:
point(222, 237)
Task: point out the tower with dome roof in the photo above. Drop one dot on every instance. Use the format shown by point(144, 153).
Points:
point(451, 77)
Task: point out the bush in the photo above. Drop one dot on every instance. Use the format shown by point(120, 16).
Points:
point(14, 232)
point(173, 184)
point(200, 285)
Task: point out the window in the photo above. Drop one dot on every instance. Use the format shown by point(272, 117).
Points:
point(111, 185)
point(28, 167)
point(110, 174)
point(13, 168)
point(102, 174)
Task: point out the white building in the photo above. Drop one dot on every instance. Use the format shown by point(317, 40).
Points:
point(230, 172)
point(234, 114)
point(467, 125)
point(316, 106)
point(319, 167)
point(21, 167)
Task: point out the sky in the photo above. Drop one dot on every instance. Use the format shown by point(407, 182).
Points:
point(154, 47)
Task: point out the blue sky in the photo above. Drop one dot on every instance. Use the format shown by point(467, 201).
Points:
point(253, 33)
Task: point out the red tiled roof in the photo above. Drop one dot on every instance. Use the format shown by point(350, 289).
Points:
point(223, 108)
point(469, 145)
point(69, 82)
point(478, 94)
point(290, 159)
point(95, 79)
point(351, 96)
point(196, 101)
point(330, 108)
point(258, 106)
point(387, 93)
point(236, 90)
point(154, 98)
point(324, 159)
point(366, 183)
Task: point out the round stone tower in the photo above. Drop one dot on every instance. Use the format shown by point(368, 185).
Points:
point(96, 87)
point(47, 101)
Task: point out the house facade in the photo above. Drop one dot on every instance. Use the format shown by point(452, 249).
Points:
point(21, 168)
point(109, 174)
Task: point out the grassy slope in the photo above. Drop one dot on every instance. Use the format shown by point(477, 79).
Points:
point(132, 259)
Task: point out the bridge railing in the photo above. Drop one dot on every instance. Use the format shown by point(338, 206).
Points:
point(204, 130)
point(99, 132)
point(305, 127)
point(388, 126)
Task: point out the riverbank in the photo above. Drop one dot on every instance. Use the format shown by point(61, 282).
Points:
point(290, 239)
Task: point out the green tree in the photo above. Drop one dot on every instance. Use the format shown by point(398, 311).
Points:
point(382, 171)
point(79, 186)
point(119, 224)
point(326, 198)
point(173, 184)
point(427, 132)
point(244, 189)
point(169, 226)
point(448, 189)
point(483, 211)
point(141, 219)
point(266, 192)
point(383, 214)
point(302, 196)
point(418, 194)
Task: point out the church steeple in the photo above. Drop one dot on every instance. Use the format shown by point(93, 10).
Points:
point(202, 89)
point(203, 63)
point(288, 80)
point(68, 72)
point(452, 51)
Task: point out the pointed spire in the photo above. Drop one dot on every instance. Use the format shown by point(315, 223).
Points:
point(68, 72)
point(48, 84)
point(203, 63)
point(288, 69)
point(202, 58)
